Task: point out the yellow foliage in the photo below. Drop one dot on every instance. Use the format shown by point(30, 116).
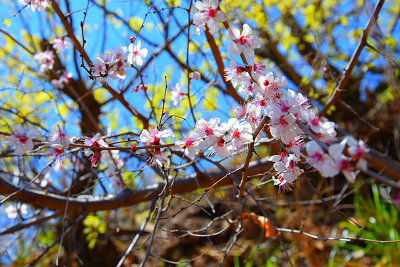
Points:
point(41, 97)
point(100, 94)
point(173, 2)
point(135, 23)
point(27, 40)
point(62, 110)
point(210, 99)
point(7, 22)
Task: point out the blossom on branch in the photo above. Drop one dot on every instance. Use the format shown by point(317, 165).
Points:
point(22, 139)
point(208, 15)
point(64, 79)
point(45, 60)
point(94, 154)
point(244, 42)
point(153, 138)
point(177, 95)
point(60, 137)
point(136, 53)
point(13, 211)
point(40, 5)
point(59, 44)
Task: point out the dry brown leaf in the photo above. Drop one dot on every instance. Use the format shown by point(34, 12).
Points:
point(262, 222)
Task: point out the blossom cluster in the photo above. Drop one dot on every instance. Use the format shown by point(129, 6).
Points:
point(111, 64)
point(288, 114)
point(39, 5)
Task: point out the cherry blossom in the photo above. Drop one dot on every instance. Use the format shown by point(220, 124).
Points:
point(206, 129)
point(208, 15)
point(342, 162)
point(60, 137)
point(320, 160)
point(40, 5)
point(237, 74)
point(177, 95)
point(287, 171)
point(195, 75)
point(58, 151)
point(222, 138)
point(153, 138)
point(59, 44)
point(241, 134)
point(244, 42)
point(45, 60)
point(136, 54)
point(324, 129)
point(120, 59)
point(22, 139)
point(110, 65)
point(94, 154)
point(191, 145)
point(64, 79)
point(13, 211)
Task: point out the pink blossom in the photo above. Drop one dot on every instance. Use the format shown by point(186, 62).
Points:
point(60, 44)
point(191, 145)
point(22, 139)
point(177, 95)
point(94, 154)
point(341, 161)
point(45, 60)
point(195, 75)
point(208, 15)
point(321, 161)
point(206, 129)
point(244, 42)
point(287, 171)
point(357, 149)
point(40, 5)
point(64, 79)
point(13, 211)
point(58, 151)
point(153, 138)
point(241, 133)
point(60, 137)
point(136, 53)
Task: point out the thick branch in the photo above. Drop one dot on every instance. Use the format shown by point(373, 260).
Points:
point(127, 197)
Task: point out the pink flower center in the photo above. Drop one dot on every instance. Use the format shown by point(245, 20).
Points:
point(344, 165)
point(315, 121)
point(156, 141)
point(317, 157)
point(136, 52)
point(282, 121)
point(236, 134)
point(188, 142)
point(22, 138)
point(284, 107)
point(292, 164)
point(212, 13)
point(208, 131)
point(240, 69)
point(242, 40)
point(221, 142)
point(262, 103)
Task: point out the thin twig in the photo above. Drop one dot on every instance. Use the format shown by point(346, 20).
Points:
point(136, 238)
point(353, 61)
